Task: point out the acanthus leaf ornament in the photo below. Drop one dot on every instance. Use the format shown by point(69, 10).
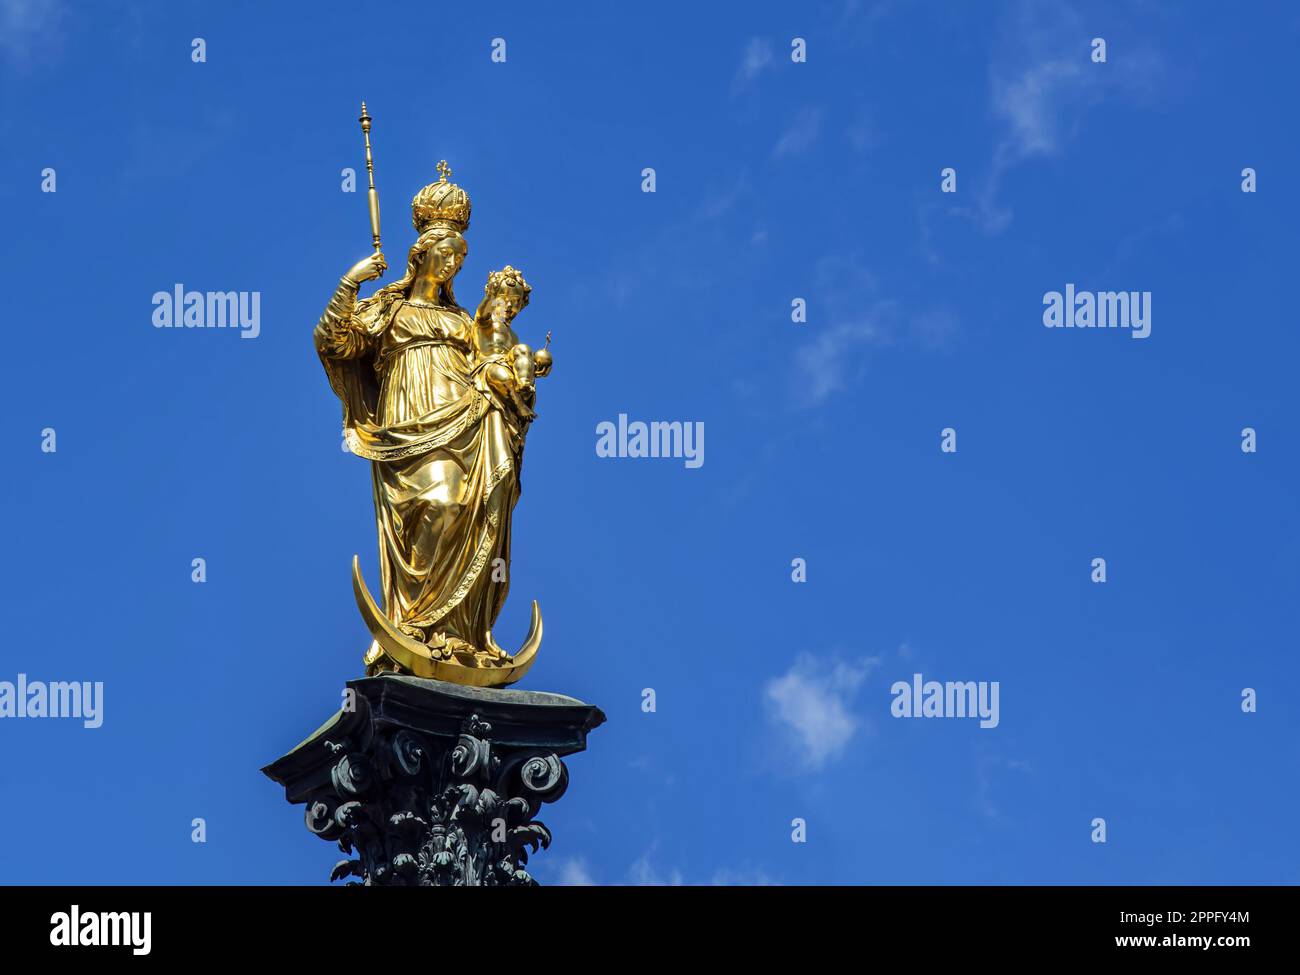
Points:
point(422, 782)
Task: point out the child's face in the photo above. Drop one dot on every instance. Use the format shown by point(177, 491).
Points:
point(506, 303)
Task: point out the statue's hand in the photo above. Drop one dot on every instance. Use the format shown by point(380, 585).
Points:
point(368, 268)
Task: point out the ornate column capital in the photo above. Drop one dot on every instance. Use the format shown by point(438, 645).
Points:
point(425, 783)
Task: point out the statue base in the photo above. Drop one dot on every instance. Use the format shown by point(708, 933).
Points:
point(426, 783)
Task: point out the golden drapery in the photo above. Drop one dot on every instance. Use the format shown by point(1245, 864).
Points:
point(445, 458)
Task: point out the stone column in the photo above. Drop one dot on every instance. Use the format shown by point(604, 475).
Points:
point(426, 783)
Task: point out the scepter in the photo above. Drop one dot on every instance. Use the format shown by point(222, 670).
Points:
point(373, 195)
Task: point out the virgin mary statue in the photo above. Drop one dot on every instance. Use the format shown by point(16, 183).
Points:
point(445, 455)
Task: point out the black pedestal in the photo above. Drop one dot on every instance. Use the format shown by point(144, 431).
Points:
point(425, 783)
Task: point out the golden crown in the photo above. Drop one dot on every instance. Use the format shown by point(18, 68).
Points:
point(441, 204)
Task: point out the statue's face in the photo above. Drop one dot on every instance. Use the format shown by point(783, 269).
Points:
point(445, 258)
point(510, 301)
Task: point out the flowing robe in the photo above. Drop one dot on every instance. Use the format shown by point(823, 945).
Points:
point(445, 457)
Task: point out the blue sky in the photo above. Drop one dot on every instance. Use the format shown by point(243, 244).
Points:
point(774, 180)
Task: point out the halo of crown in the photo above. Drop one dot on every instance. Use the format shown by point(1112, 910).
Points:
point(441, 204)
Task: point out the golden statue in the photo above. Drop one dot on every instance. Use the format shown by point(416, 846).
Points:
point(440, 403)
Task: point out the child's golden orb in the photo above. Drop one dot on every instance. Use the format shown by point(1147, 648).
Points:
point(542, 359)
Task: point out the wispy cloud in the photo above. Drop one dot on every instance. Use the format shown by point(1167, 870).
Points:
point(863, 133)
point(643, 873)
point(935, 329)
point(648, 872)
point(758, 57)
point(811, 702)
point(856, 23)
point(574, 873)
point(850, 318)
point(832, 361)
point(1040, 86)
point(801, 135)
point(745, 877)
point(1030, 102)
point(28, 28)
point(719, 200)
point(847, 318)
point(987, 767)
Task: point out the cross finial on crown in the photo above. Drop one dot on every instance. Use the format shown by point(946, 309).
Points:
point(444, 170)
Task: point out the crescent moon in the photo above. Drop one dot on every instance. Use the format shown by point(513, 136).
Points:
point(414, 655)
point(532, 643)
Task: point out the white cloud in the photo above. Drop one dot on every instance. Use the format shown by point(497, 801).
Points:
point(26, 27)
point(1029, 103)
point(1039, 88)
point(801, 134)
point(727, 877)
point(850, 319)
point(718, 201)
point(574, 873)
point(757, 58)
point(863, 133)
point(987, 768)
point(935, 329)
point(833, 359)
point(847, 320)
point(644, 874)
point(811, 703)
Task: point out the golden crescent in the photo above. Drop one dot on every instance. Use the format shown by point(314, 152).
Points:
point(414, 656)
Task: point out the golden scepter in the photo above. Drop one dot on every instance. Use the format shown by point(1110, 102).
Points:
point(373, 196)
